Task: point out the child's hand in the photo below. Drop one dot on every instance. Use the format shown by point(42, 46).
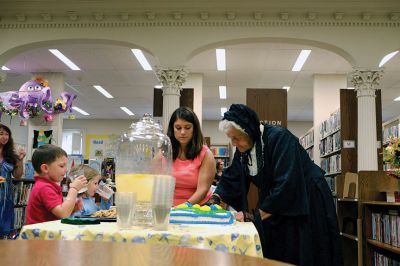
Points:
point(78, 205)
point(79, 183)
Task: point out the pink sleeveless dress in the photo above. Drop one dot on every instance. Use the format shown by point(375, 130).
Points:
point(186, 173)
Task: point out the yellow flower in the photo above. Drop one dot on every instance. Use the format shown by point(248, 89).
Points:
point(62, 103)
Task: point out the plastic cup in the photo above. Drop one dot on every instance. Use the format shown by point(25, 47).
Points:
point(126, 205)
point(76, 174)
point(162, 199)
point(104, 190)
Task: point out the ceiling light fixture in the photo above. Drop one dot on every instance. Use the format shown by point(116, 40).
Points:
point(79, 110)
point(221, 63)
point(286, 88)
point(64, 59)
point(223, 110)
point(103, 91)
point(301, 60)
point(126, 110)
point(397, 99)
point(387, 58)
point(158, 86)
point(222, 92)
point(5, 68)
point(142, 59)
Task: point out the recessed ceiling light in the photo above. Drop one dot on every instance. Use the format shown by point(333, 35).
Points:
point(79, 110)
point(103, 91)
point(5, 68)
point(126, 110)
point(301, 60)
point(286, 88)
point(221, 63)
point(223, 110)
point(397, 99)
point(387, 58)
point(222, 92)
point(64, 59)
point(142, 59)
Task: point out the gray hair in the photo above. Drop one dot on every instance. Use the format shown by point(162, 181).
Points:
point(226, 125)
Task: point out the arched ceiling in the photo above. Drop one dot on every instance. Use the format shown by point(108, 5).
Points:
point(259, 64)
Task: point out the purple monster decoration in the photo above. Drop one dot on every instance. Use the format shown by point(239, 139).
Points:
point(33, 97)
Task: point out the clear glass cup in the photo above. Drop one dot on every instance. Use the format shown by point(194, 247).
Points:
point(104, 190)
point(74, 175)
point(126, 206)
point(162, 200)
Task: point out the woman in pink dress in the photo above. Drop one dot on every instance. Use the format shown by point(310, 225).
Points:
point(194, 165)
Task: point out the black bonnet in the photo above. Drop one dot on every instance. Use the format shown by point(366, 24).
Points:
point(246, 118)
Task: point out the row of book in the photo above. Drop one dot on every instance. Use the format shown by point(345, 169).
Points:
point(19, 217)
point(22, 191)
point(386, 227)
point(330, 125)
point(330, 144)
point(307, 141)
point(310, 153)
point(331, 183)
point(332, 164)
point(382, 260)
point(220, 150)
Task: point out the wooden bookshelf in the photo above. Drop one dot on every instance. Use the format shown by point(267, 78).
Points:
point(351, 216)
point(22, 189)
point(307, 142)
point(221, 153)
point(383, 243)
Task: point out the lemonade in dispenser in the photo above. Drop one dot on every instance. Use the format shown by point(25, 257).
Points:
point(144, 152)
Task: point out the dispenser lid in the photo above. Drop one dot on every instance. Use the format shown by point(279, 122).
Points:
point(146, 126)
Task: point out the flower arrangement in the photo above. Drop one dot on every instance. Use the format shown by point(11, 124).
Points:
point(391, 155)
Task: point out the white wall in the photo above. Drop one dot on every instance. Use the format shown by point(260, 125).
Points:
point(326, 100)
point(299, 128)
point(19, 134)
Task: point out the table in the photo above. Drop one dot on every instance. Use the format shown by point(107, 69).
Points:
point(239, 238)
point(60, 253)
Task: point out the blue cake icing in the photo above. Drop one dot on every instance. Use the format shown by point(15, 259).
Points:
point(187, 213)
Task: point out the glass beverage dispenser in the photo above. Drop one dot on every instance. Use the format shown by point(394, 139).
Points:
point(144, 152)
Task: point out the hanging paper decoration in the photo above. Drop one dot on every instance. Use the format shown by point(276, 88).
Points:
point(33, 99)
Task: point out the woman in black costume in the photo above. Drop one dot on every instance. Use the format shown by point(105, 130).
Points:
point(295, 215)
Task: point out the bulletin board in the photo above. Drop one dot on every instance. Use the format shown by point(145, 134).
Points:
point(99, 146)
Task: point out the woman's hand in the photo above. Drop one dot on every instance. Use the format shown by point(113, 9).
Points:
point(264, 215)
point(21, 153)
point(244, 217)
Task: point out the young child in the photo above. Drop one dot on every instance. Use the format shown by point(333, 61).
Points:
point(88, 200)
point(46, 200)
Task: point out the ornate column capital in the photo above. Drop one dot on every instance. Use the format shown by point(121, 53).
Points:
point(365, 81)
point(3, 76)
point(172, 79)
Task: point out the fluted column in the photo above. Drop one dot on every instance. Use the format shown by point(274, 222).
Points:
point(172, 80)
point(365, 83)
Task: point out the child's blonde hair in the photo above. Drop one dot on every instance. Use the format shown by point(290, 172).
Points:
point(88, 172)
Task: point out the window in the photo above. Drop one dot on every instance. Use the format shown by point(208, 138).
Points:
point(72, 141)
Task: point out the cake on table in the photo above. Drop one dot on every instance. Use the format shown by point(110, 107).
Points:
point(187, 213)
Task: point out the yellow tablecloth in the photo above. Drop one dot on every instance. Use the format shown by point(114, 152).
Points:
point(239, 238)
